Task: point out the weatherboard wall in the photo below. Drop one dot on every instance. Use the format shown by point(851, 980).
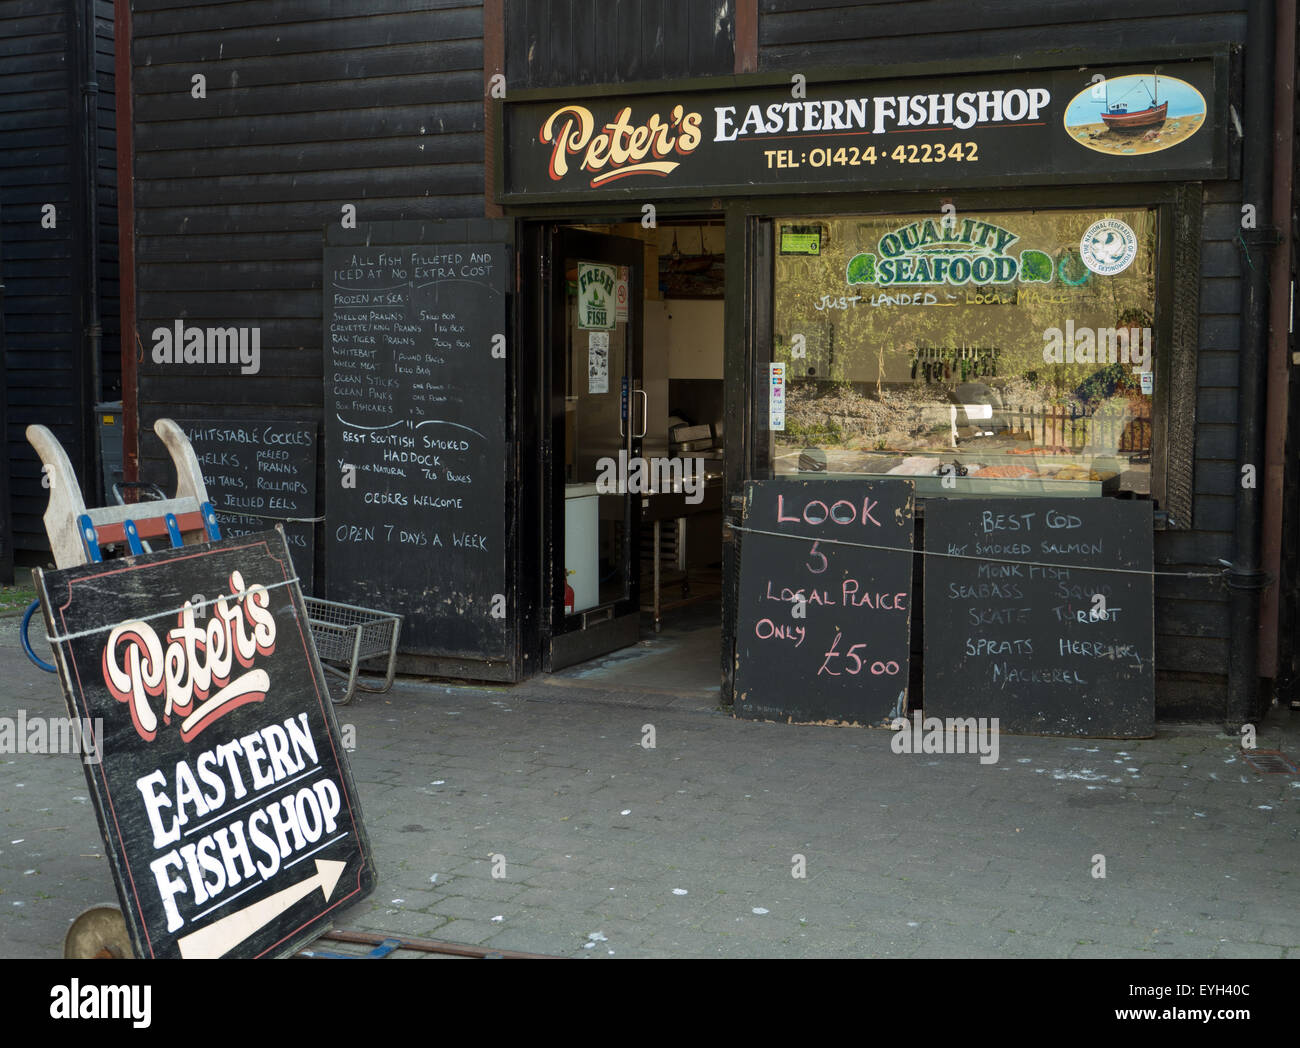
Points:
point(560, 43)
point(1191, 615)
point(47, 297)
point(106, 202)
point(807, 34)
point(310, 105)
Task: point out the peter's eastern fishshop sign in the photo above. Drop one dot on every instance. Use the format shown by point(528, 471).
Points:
point(1129, 123)
point(224, 798)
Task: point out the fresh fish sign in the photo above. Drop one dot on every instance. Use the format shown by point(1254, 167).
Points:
point(596, 296)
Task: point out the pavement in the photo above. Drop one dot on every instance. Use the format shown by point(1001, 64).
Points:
point(535, 817)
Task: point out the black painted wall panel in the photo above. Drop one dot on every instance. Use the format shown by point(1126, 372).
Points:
point(1181, 547)
point(46, 309)
point(575, 46)
point(1216, 405)
point(1215, 441)
point(377, 105)
point(106, 185)
point(552, 43)
point(322, 27)
point(1218, 369)
point(805, 35)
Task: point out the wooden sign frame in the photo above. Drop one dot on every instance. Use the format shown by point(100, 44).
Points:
point(228, 810)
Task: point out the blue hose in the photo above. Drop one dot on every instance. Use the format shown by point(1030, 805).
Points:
point(27, 645)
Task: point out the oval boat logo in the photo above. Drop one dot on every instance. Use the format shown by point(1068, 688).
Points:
point(1135, 115)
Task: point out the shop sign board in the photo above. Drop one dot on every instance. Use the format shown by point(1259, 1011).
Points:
point(227, 808)
point(1040, 612)
point(825, 613)
point(1157, 120)
point(415, 437)
point(260, 472)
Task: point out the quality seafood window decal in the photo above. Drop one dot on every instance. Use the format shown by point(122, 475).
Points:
point(997, 352)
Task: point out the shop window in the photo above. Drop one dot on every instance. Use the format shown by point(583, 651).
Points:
point(992, 352)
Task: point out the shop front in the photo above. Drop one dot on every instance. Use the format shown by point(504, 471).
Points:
point(984, 284)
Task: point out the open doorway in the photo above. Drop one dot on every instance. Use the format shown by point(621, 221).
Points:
point(638, 483)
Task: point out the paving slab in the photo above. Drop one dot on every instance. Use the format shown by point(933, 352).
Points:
point(902, 855)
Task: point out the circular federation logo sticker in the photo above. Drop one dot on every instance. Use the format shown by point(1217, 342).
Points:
point(1108, 247)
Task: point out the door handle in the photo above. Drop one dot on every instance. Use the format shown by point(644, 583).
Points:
point(645, 412)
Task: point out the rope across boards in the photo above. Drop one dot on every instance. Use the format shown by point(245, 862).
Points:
point(196, 666)
point(1038, 613)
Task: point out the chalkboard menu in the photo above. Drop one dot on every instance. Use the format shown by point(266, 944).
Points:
point(415, 386)
point(210, 747)
point(1030, 629)
point(823, 625)
point(260, 474)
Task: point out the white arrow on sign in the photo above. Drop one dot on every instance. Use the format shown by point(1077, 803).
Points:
point(221, 936)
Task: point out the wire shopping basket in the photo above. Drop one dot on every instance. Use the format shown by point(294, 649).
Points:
point(350, 635)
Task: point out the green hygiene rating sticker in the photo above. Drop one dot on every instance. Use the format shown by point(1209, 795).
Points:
point(801, 240)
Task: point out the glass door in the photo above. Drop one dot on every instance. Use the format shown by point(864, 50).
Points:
point(598, 418)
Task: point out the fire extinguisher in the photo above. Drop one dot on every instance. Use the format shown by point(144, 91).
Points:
point(568, 595)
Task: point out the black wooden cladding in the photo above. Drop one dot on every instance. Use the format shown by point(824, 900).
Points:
point(46, 303)
point(36, 149)
point(806, 34)
point(310, 105)
point(106, 194)
point(1192, 628)
point(553, 43)
point(277, 692)
point(1192, 631)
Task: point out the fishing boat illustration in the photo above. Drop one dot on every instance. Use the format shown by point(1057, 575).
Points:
point(1117, 117)
point(1141, 113)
